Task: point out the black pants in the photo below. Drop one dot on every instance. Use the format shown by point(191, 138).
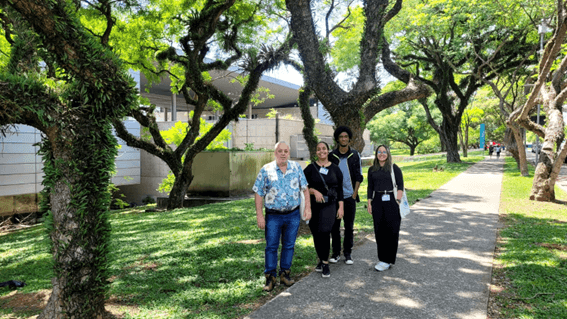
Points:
point(387, 220)
point(322, 221)
point(350, 212)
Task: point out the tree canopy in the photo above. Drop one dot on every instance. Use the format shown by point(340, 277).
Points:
point(405, 123)
point(453, 45)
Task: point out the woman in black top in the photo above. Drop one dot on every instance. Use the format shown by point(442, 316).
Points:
point(326, 203)
point(383, 204)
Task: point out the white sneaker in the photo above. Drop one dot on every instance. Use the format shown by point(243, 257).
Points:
point(335, 259)
point(381, 266)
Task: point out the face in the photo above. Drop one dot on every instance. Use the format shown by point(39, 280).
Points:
point(282, 154)
point(382, 154)
point(344, 139)
point(322, 151)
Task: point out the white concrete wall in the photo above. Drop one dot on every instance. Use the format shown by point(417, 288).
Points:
point(262, 133)
point(128, 163)
point(21, 169)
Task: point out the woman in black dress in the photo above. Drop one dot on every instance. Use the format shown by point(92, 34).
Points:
point(326, 188)
point(383, 204)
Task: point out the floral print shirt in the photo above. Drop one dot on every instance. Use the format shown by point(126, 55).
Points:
point(280, 191)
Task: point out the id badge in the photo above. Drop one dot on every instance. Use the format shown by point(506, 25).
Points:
point(323, 170)
point(386, 197)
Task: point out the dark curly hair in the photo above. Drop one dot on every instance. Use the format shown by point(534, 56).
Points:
point(341, 129)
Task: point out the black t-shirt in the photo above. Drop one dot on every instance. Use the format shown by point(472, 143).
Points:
point(334, 178)
point(381, 180)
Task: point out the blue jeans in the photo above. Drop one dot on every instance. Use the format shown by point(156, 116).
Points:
point(284, 227)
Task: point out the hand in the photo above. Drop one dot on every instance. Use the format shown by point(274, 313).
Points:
point(354, 195)
point(318, 196)
point(307, 213)
point(369, 208)
point(340, 213)
point(262, 221)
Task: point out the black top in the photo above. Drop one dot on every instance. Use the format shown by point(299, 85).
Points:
point(334, 178)
point(381, 180)
point(354, 165)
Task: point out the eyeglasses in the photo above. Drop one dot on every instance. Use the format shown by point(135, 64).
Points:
point(380, 152)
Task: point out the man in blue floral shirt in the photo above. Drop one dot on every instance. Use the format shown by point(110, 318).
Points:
point(277, 188)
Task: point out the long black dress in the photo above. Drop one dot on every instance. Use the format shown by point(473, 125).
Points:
point(323, 214)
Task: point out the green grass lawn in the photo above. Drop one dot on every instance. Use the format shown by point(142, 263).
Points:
point(203, 262)
point(530, 267)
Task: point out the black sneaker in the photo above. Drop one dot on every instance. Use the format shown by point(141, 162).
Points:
point(319, 267)
point(326, 272)
point(335, 258)
point(348, 259)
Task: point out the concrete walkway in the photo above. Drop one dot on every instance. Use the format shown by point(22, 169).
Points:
point(443, 268)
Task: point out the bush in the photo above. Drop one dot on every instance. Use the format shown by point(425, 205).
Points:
point(432, 145)
point(148, 200)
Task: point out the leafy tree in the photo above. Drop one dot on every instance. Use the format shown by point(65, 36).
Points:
point(321, 53)
point(447, 43)
point(405, 123)
point(550, 89)
point(508, 89)
point(62, 81)
point(173, 39)
point(176, 134)
point(470, 120)
point(493, 119)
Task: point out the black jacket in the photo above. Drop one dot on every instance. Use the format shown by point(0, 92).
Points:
point(354, 165)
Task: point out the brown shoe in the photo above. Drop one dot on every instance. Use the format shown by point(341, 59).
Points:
point(285, 279)
point(270, 282)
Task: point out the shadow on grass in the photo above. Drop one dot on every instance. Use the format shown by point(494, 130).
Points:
point(534, 259)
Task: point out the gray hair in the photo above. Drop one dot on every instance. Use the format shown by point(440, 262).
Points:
point(279, 143)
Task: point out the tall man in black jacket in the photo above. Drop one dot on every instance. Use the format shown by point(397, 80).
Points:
point(349, 162)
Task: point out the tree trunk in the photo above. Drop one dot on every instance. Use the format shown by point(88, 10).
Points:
point(78, 221)
point(463, 143)
point(412, 149)
point(308, 122)
point(466, 146)
point(449, 138)
point(181, 185)
point(549, 166)
point(515, 145)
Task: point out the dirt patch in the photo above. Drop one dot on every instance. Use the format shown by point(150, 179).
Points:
point(31, 304)
point(553, 246)
point(248, 241)
point(140, 265)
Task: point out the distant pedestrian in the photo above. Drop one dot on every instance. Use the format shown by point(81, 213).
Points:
point(383, 204)
point(277, 187)
point(497, 149)
point(327, 204)
point(490, 150)
point(348, 160)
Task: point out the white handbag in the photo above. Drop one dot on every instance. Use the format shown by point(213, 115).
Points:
point(404, 204)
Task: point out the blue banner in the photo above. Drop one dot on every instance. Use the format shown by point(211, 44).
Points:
point(482, 135)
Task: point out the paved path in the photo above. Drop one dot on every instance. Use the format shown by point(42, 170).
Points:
point(443, 268)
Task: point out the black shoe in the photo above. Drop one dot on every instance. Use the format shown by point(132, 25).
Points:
point(335, 258)
point(348, 259)
point(319, 267)
point(326, 272)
